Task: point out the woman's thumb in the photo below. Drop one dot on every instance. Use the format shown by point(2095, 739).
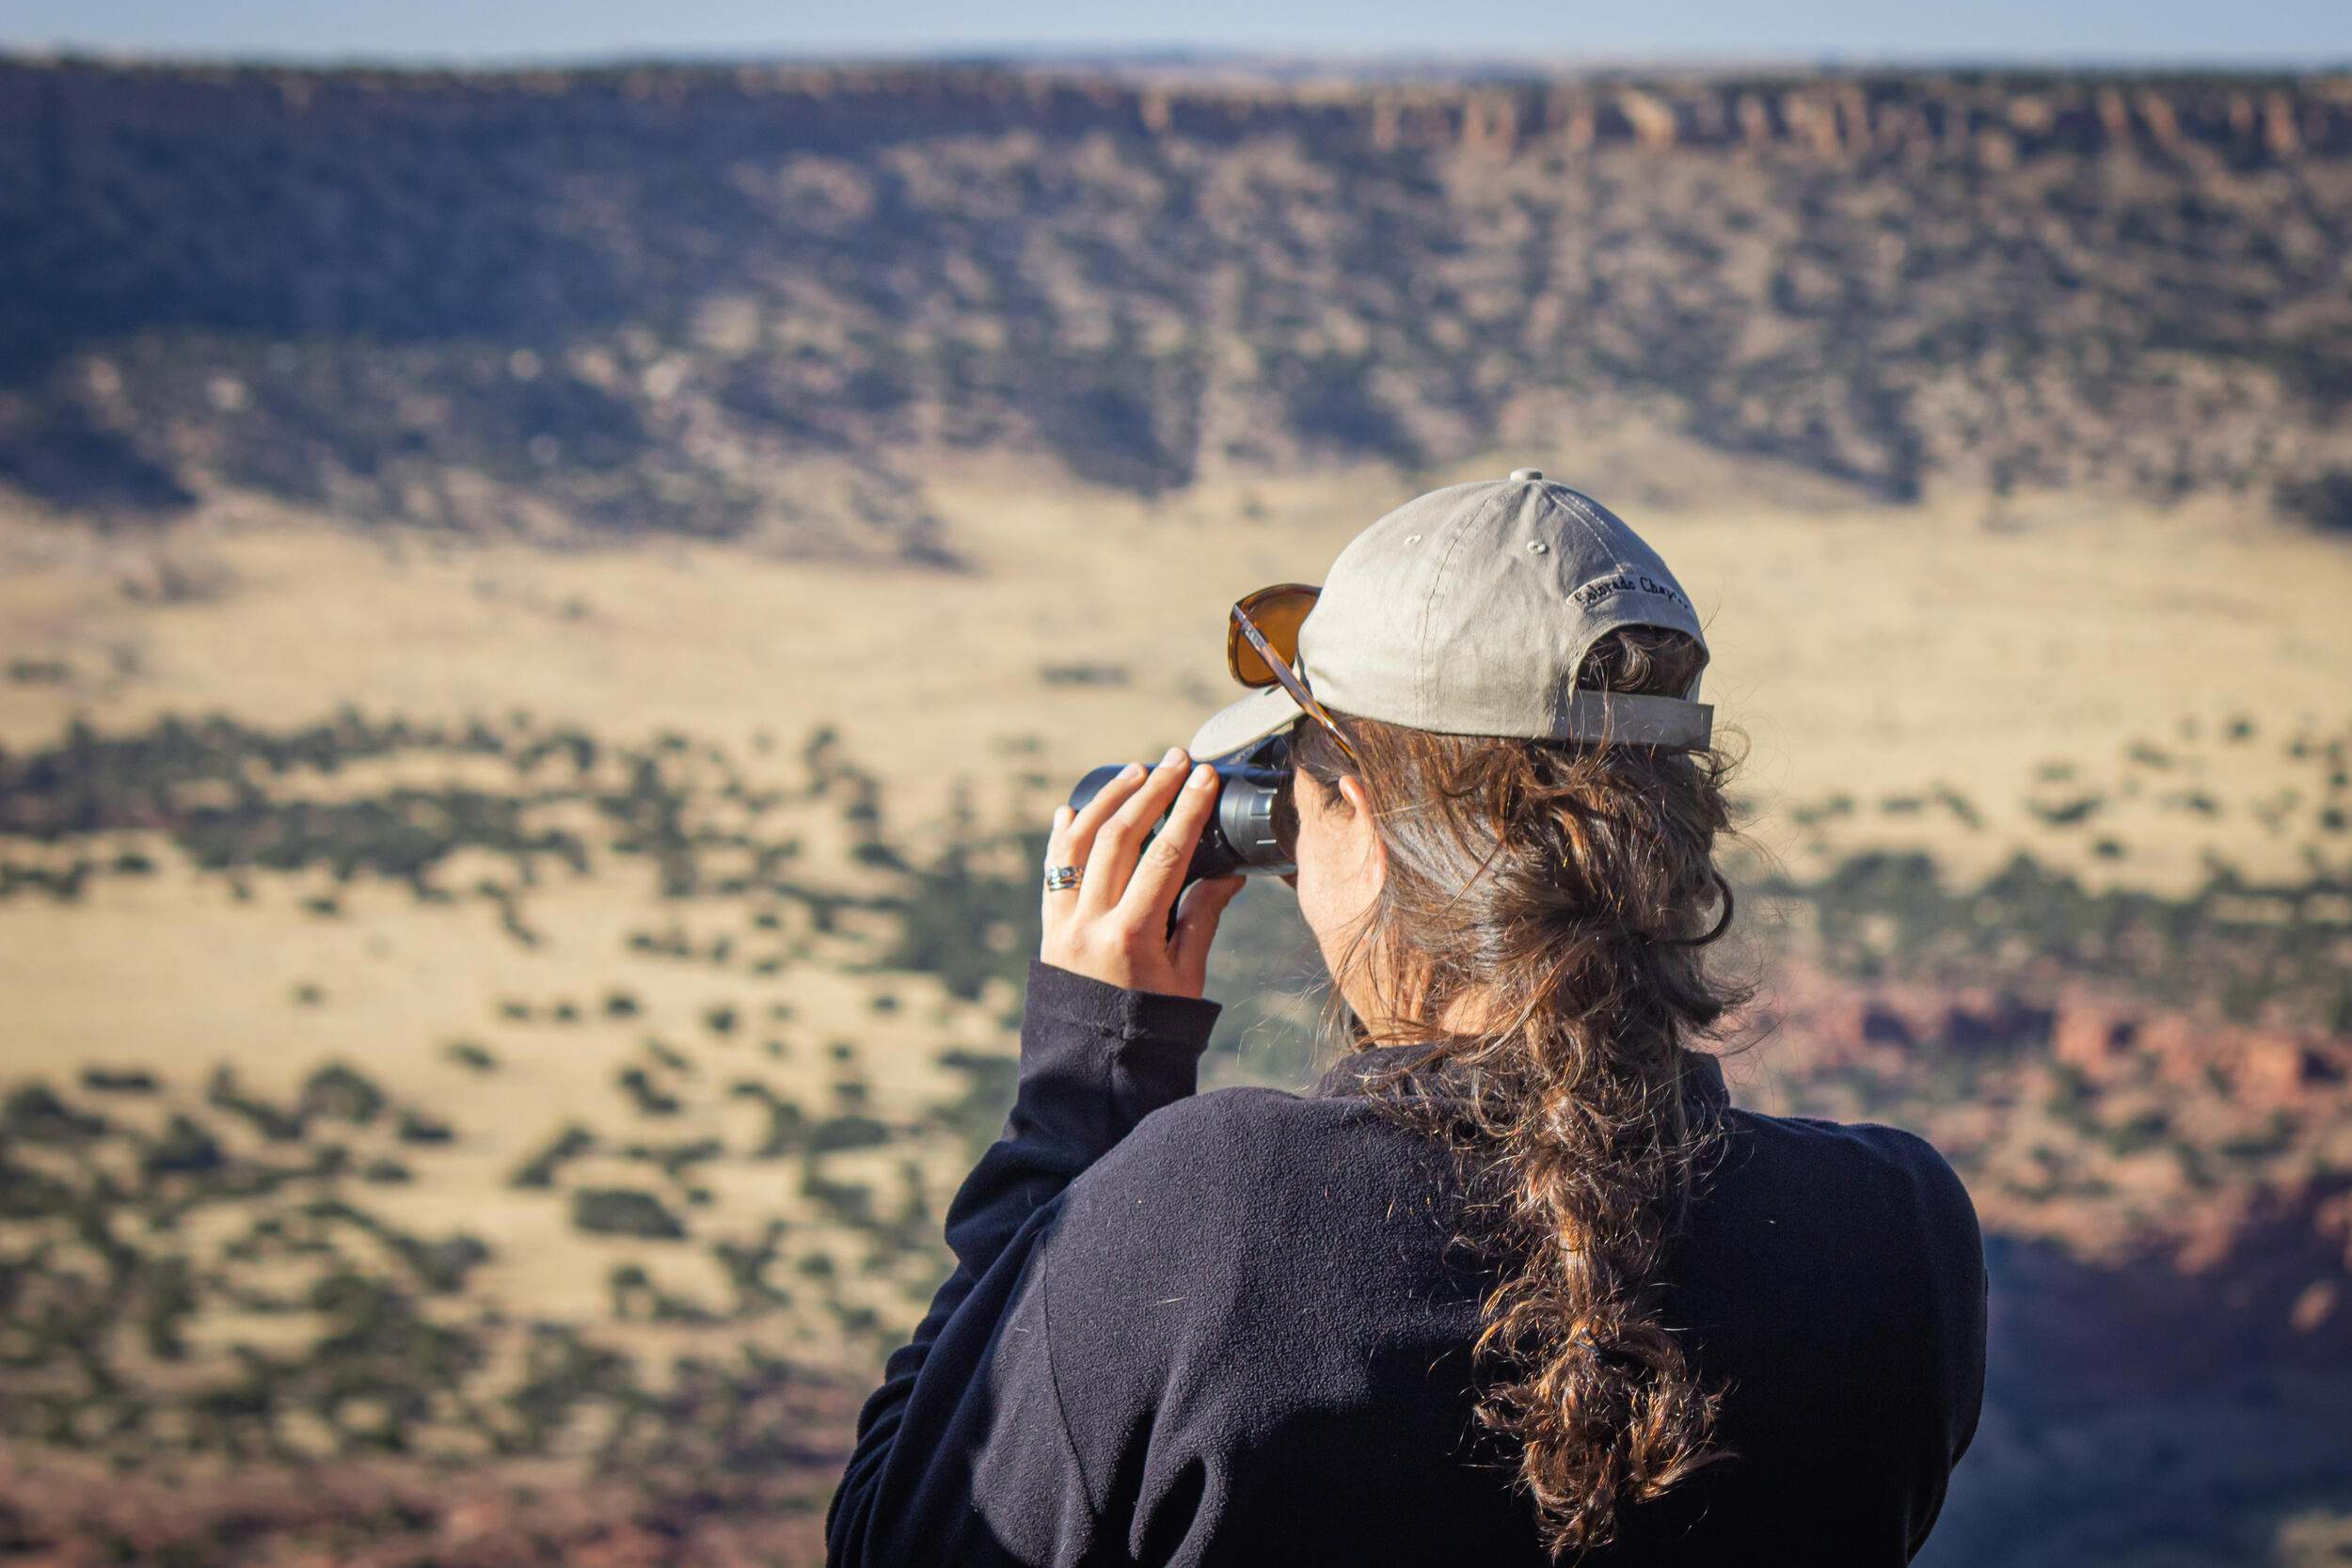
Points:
point(1196, 924)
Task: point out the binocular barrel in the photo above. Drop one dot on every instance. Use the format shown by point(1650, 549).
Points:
point(1246, 831)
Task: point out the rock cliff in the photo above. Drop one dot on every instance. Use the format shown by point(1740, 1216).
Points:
point(735, 300)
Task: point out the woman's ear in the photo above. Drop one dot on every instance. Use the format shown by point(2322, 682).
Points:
point(1360, 830)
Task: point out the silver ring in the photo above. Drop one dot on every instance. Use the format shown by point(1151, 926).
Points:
point(1061, 878)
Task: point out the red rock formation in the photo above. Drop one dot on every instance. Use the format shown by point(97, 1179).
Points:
point(2277, 1066)
point(2095, 1037)
point(1833, 118)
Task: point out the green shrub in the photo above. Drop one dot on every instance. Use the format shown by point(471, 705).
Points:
point(471, 1055)
point(837, 1134)
point(648, 1097)
point(625, 1211)
point(340, 1093)
point(541, 1169)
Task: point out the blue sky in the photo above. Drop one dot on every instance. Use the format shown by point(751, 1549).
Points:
point(2289, 32)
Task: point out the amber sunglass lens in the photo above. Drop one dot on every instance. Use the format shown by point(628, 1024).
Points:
point(1278, 613)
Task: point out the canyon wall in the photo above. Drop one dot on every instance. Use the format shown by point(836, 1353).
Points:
point(736, 301)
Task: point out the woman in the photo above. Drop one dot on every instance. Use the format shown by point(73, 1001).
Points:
point(1516, 1282)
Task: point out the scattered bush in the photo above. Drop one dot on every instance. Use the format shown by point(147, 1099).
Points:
point(625, 1211)
point(648, 1097)
point(340, 1093)
point(542, 1168)
point(471, 1055)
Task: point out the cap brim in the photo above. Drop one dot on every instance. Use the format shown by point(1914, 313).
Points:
point(1244, 723)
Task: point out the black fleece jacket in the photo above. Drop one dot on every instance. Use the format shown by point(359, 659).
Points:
point(1229, 1328)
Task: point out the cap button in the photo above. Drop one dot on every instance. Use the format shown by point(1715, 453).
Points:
point(1527, 473)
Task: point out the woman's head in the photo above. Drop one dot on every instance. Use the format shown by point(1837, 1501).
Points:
point(1537, 911)
point(1437, 857)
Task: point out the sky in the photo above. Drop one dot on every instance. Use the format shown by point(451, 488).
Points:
point(2294, 33)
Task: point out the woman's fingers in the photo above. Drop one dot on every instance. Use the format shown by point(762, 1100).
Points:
point(1057, 853)
point(1072, 841)
point(1195, 928)
point(1159, 874)
point(1114, 926)
point(1118, 842)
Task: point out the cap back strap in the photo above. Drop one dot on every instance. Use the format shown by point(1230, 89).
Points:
point(1634, 718)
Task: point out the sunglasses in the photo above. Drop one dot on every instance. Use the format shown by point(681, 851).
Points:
point(1262, 644)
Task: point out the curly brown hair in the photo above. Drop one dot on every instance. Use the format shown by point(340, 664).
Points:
point(1566, 887)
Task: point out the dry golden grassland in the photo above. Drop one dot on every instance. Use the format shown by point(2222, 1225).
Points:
point(1864, 650)
point(1987, 669)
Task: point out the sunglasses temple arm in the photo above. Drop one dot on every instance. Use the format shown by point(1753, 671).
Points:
point(1292, 683)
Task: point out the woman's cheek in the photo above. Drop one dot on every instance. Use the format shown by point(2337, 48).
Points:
point(1310, 893)
point(1328, 904)
point(1313, 893)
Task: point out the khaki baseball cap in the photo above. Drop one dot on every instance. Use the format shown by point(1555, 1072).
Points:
point(1469, 610)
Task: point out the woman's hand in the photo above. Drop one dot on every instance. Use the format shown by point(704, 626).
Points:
point(1113, 925)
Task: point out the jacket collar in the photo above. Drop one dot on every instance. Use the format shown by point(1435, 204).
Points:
point(1703, 1073)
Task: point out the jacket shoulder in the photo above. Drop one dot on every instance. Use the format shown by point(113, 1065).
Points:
point(1263, 1154)
point(1866, 1216)
point(1223, 1202)
point(1245, 1260)
point(1865, 1157)
point(1919, 1177)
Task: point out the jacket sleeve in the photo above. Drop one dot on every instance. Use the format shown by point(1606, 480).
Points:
point(1956, 1296)
point(973, 1389)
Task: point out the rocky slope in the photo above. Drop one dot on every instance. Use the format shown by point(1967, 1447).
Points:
point(746, 302)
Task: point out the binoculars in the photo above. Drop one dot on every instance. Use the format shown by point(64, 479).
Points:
point(1254, 827)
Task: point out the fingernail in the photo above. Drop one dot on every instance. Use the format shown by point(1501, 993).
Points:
point(1202, 777)
point(1175, 755)
point(1132, 771)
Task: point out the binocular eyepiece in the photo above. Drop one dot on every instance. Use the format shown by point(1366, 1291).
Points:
point(1254, 827)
